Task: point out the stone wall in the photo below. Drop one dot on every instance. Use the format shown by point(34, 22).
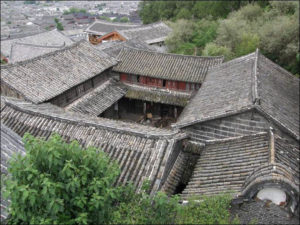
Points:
point(246, 123)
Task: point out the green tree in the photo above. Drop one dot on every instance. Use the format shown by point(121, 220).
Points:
point(60, 183)
point(124, 19)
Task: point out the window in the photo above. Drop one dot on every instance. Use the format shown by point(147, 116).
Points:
point(164, 83)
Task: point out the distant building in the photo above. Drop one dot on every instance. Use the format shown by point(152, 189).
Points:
point(20, 49)
point(152, 34)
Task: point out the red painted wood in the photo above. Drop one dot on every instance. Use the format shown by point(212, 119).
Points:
point(143, 80)
point(123, 77)
point(181, 85)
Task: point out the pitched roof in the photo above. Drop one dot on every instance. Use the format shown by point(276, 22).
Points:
point(142, 152)
point(11, 143)
point(113, 48)
point(236, 164)
point(44, 77)
point(159, 95)
point(20, 49)
point(150, 33)
point(98, 100)
point(164, 65)
point(100, 27)
point(224, 165)
point(251, 81)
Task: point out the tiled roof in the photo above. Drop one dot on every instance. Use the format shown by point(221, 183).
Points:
point(11, 144)
point(165, 66)
point(98, 100)
point(224, 165)
point(159, 95)
point(150, 33)
point(251, 81)
point(100, 27)
point(20, 49)
point(142, 152)
point(113, 48)
point(44, 77)
point(242, 165)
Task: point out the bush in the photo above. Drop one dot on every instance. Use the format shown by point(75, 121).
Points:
point(212, 49)
point(209, 210)
point(60, 183)
point(143, 209)
point(124, 19)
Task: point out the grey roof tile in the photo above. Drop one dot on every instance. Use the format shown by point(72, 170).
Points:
point(21, 49)
point(165, 66)
point(44, 77)
point(251, 81)
point(98, 100)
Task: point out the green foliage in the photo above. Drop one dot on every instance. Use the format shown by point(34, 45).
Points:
point(142, 208)
point(212, 49)
point(153, 11)
point(275, 31)
point(188, 35)
point(2, 61)
point(208, 210)
point(60, 183)
point(59, 25)
point(74, 10)
point(105, 18)
point(27, 2)
point(124, 19)
point(247, 44)
point(271, 27)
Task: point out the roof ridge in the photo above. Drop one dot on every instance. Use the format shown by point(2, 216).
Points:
point(31, 34)
point(232, 61)
point(41, 46)
point(84, 120)
point(180, 124)
point(44, 55)
point(255, 96)
point(278, 66)
point(215, 141)
point(173, 54)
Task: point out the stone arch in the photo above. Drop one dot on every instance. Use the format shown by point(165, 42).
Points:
point(273, 176)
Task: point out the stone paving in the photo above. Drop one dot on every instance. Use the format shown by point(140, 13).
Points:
point(261, 212)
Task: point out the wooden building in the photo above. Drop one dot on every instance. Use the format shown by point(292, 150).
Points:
point(239, 133)
point(152, 34)
point(161, 70)
point(59, 77)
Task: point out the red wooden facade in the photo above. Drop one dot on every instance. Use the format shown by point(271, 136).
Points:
point(155, 82)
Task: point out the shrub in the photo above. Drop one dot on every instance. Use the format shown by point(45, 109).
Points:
point(124, 19)
point(142, 208)
point(209, 210)
point(60, 183)
point(212, 49)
